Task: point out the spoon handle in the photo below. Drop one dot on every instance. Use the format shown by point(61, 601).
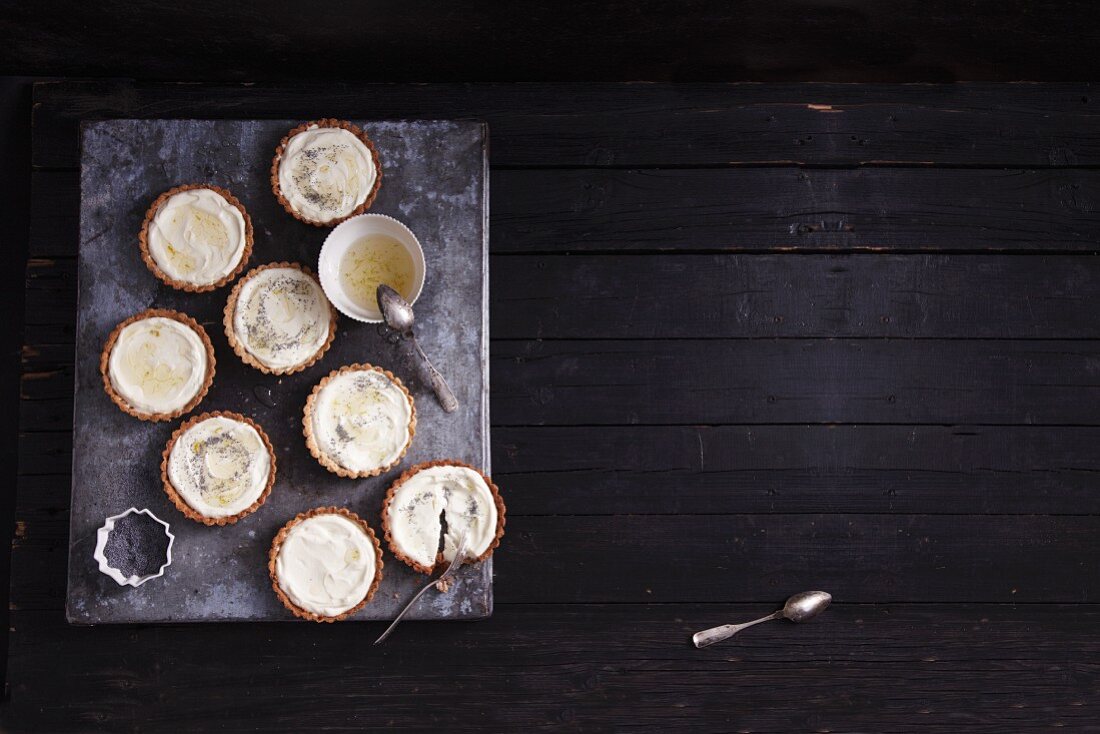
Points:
point(442, 390)
point(726, 631)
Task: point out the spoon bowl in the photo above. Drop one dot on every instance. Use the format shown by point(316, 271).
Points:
point(396, 311)
point(806, 605)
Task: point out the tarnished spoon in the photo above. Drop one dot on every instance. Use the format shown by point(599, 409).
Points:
point(798, 608)
point(398, 315)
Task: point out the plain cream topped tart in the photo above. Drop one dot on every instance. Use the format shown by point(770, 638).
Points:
point(157, 365)
point(218, 467)
point(325, 172)
point(426, 496)
point(278, 319)
point(325, 564)
point(196, 238)
point(359, 421)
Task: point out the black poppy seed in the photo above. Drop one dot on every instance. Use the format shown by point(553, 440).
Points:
point(303, 178)
point(137, 546)
point(262, 331)
point(195, 463)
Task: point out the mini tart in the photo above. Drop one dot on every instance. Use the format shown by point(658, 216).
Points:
point(173, 465)
point(321, 330)
point(281, 573)
point(362, 164)
point(230, 215)
point(379, 408)
point(423, 485)
point(196, 385)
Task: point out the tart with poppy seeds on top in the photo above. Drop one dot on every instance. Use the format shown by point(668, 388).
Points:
point(218, 467)
point(325, 564)
point(157, 364)
point(278, 319)
point(326, 171)
point(467, 500)
point(359, 421)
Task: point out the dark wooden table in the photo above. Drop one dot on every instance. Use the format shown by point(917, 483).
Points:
point(747, 340)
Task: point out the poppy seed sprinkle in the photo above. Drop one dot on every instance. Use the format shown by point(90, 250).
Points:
point(136, 546)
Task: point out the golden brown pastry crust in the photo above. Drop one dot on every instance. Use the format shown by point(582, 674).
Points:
point(277, 544)
point(105, 358)
point(143, 239)
point(240, 349)
point(399, 554)
point(181, 503)
point(307, 423)
point(326, 122)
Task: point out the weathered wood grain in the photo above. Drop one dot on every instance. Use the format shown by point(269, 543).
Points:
point(739, 296)
point(762, 209)
point(754, 296)
point(743, 210)
point(985, 667)
point(866, 558)
point(782, 469)
point(759, 381)
point(624, 485)
point(789, 381)
point(645, 124)
point(786, 41)
point(751, 469)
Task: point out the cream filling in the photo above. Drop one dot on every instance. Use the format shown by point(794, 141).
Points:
point(282, 317)
point(361, 420)
point(326, 564)
point(457, 493)
point(325, 173)
point(197, 237)
point(157, 365)
point(219, 466)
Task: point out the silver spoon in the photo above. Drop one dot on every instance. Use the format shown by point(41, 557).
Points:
point(798, 608)
point(398, 315)
point(460, 556)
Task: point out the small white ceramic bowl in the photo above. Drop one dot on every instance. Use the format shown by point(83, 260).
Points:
point(344, 236)
point(101, 542)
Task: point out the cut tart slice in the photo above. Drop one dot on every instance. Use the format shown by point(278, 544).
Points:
point(196, 237)
point(325, 564)
point(325, 172)
point(278, 319)
point(429, 494)
point(218, 467)
point(157, 365)
point(359, 421)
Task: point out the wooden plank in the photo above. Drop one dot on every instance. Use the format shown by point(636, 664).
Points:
point(744, 469)
point(742, 210)
point(782, 42)
point(759, 381)
point(752, 296)
point(794, 381)
point(762, 209)
point(644, 124)
point(782, 469)
point(987, 667)
point(46, 454)
point(738, 296)
point(864, 558)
